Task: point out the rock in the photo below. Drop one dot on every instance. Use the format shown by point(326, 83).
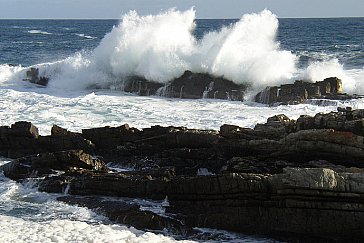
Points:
point(129, 214)
point(141, 86)
point(200, 85)
point(34, 77)
point(22, 139)
point(334, 146)
point(281, 177)
point(47, 163)
point(329, 88)
point(110, 137)
point(299, 200)
point(23, 129)
point(255, 165)
point(276, 127)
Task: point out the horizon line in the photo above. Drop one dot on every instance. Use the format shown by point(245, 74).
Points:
point(233, 18)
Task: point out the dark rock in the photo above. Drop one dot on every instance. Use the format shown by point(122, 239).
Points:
point(22, 139)
point(110, 137)
point(23, 129)
point(141, 86)
point(34, 77)
point(129, 214)
point(201, 85)
point(329, 88)
point(47, 163)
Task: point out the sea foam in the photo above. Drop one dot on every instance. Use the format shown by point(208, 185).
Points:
point(161, 47)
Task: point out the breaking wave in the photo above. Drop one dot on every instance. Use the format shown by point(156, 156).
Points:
point(161, 47)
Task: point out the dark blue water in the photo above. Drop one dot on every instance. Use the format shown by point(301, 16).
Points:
point(30, 42)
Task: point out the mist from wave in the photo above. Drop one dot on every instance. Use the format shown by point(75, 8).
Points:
point(161, 47)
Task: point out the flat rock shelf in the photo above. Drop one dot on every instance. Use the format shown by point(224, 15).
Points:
point(291, 179)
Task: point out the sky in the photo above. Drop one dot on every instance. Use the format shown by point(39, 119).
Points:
point(114, 9)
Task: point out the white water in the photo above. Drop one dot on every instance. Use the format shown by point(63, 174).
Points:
point(159, 48)
point(39, 32)
point(162, 47)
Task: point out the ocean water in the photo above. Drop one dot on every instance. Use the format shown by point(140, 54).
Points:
point(78, 55)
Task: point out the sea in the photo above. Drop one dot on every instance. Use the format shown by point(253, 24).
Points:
point(87, 62)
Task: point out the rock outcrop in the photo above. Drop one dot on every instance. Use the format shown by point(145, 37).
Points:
point(285, 177)
point(300, 91)
point(22, 139)
point(188, 86)
point(314, 201)
point(48, 163)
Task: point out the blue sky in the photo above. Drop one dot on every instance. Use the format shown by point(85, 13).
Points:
point(204, 8)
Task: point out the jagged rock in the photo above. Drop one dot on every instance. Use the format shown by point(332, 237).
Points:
point(329, 88)
point(47, 163)
point(34, 77)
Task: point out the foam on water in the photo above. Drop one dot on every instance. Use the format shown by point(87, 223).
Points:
point(159, 48)
point(27, 215)
point(39, 32)
point(86, 36)
point(63, 230)
point(76, 111)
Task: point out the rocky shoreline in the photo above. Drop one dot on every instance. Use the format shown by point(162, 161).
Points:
point(301, 179)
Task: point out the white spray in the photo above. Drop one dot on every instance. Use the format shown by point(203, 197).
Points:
point(161, 47)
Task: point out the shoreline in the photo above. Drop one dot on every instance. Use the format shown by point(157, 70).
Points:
point(285, 177)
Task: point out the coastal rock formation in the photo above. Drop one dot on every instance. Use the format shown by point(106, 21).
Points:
point(189, 86)
point(299, 200)
point(300, 91)
point(48, 163)
point(129, 214)
point(200, 85)
point(300, 177)
point(22, 139)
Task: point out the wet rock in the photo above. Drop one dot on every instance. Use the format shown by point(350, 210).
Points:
point(329, 88)
point(129, 213)
point(22, 139)
point(141, 86)
point(47, 163)
point(34, 77)
point(200, 85)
